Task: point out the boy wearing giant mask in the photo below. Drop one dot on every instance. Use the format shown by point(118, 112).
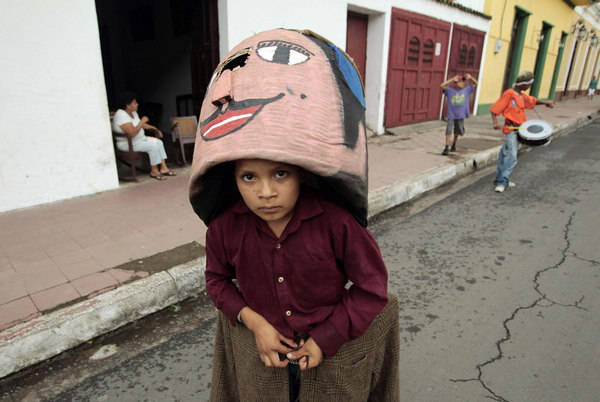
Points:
point(280, 179)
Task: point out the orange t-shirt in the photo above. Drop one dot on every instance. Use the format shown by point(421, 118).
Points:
point(512, 106)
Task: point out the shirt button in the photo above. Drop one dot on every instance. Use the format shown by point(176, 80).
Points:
point(280, 279)
point(288, 313)
point(278, 246)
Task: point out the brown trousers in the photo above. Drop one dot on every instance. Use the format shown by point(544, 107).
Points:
point(365, 369)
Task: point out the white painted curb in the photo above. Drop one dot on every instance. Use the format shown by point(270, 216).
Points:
point(41, 338)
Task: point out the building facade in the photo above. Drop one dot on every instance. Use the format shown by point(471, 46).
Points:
point(65, 62)
point(581, 52)
point(549, 38)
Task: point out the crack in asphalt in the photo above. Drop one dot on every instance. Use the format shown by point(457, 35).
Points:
point(537, 303)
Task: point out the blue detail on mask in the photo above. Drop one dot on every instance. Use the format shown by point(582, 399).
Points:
point(350, 75)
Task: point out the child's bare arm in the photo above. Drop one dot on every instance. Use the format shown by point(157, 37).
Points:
point(472, 79)
point(446, 83)
point(268, 339)
point(495, 122)
point(549, 104)
point(309, 354)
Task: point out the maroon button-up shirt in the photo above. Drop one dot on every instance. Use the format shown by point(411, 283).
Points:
point(298, 282)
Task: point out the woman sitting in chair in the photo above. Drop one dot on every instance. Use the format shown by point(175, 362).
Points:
point(127, 121)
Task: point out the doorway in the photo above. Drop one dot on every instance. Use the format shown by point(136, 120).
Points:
point(559, 57)
point(163, 50)
point(417, 61)
point(465, 56)
point(356, 40)
point(540, 59)
point(566, 93)
point(517, 41)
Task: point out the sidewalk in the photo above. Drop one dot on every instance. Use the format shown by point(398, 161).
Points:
point(72, 270)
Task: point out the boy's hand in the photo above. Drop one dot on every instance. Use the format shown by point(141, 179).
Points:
point(309, 354)
point(269, 344)
point(550, 104)
point(268, 339)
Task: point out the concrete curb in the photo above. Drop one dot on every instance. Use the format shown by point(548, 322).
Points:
point(46, 336)
point(397, 193)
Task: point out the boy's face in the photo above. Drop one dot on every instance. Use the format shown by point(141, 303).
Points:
point(460, 84)
point(270, 189)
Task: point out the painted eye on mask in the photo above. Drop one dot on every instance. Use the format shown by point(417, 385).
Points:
point(282, 52)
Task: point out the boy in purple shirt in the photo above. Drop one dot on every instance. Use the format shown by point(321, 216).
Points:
point(457, 90)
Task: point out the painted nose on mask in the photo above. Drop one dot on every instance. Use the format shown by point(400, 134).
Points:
point(223, 91)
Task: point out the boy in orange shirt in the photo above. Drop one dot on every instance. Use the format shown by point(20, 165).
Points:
point(512, 105)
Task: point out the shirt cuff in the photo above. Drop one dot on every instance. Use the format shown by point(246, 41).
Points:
point(232, 310)
point(328, 338)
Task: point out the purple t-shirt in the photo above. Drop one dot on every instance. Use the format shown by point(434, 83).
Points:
point(458, 102)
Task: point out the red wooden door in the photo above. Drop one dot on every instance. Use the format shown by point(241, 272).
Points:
point(204, 47)
point(465, 55)
point(356, 40)
point(417, 61)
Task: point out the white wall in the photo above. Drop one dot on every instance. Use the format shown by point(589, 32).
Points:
point(56, 138)
point(246, 18)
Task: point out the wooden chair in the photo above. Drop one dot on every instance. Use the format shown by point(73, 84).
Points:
point(183, 131)
point(129, 157)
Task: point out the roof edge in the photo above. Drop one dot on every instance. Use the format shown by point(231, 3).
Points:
point(465, 8)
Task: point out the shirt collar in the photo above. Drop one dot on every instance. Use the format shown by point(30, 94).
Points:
point(307, 207)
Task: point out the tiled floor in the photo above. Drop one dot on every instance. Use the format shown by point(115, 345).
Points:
point(55, 253)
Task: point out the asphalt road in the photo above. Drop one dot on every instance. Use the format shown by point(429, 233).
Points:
point(500, 299)
point(501, 292)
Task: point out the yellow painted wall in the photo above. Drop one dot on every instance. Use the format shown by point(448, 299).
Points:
point(554, 12)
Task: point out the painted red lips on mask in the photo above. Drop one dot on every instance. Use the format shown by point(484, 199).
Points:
point(237, 115)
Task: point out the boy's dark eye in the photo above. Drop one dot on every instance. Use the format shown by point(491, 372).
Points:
point(247, 177)
point(281, 174)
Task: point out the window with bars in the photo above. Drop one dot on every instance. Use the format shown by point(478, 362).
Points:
point(462, 55)
point(414, 51)
point(471, 57)
point(428, 49)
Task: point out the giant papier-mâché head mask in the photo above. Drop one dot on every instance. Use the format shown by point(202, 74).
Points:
point(288, 96)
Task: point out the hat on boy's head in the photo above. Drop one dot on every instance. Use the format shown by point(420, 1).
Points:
point(524, 78)
point(288, 96)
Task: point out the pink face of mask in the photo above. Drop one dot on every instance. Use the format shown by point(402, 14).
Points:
point(285, 96)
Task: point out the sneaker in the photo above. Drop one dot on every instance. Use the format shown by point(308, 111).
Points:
point(453, 149)
point(511, 184)
point(445, 151)
point(499, 189)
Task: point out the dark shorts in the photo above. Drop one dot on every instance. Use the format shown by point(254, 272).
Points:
point(363, 369)
point(458, 125)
